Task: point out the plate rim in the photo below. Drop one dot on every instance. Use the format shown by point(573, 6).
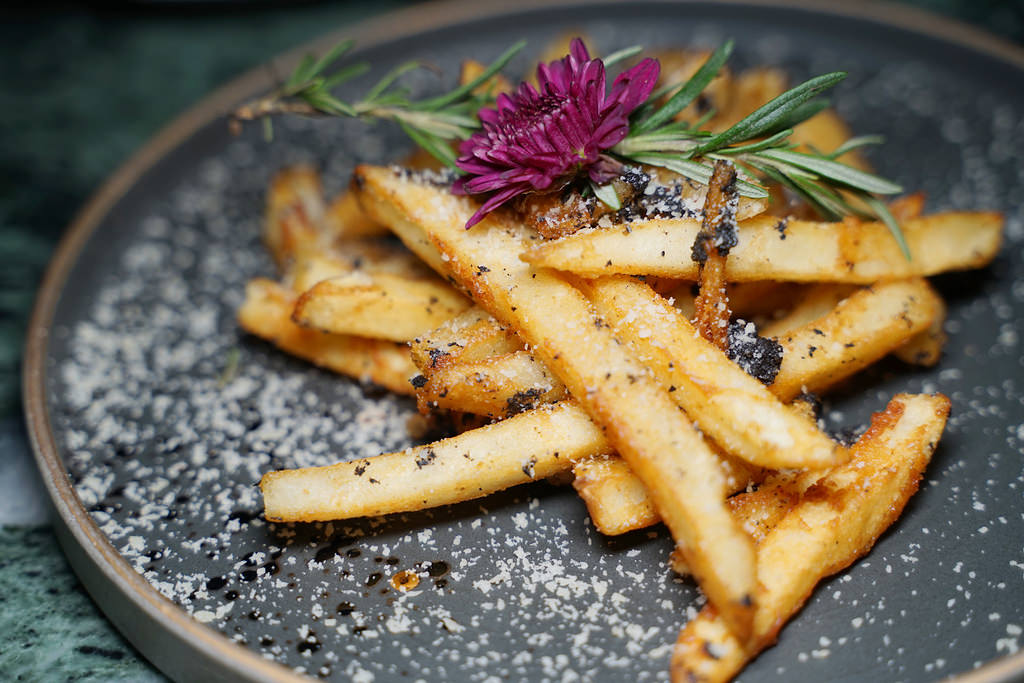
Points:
point(173, 638)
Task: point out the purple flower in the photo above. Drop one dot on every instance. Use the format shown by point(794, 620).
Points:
point(537, 140)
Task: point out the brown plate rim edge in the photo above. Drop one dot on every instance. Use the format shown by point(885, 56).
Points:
point(93, 557)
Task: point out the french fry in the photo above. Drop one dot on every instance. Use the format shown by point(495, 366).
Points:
point(642, 422)
point(925, 347)
point(497, 387)
point(378, 305)
point(617, 500)
point(717, 233)
point(524, 448)
point(778, 249)
point(862, 328)
point(266, 313)
point(344, 219)
point(294, 212)
point(816, 301)
point(762, 298)
point(472, 335)
point(733, 408)
point(871, 323)
point(874, 324)
point(836, 521)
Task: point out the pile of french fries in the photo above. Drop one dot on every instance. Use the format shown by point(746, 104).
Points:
point(579, 352)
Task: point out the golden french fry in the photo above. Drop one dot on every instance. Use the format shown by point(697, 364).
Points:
point(499, 386)
point(862, 328)
point(816, 301)
point(524, 448)
point(294, 213)
point(836, 520)
point(925, 347)
point(344, 219)
point(763, 298)
point(378, 305)
point(266, 313)
point(733, 408)
point(470, 336)
point(878, 321)
point(779, 249)
point(617, 500)
point(642, 422)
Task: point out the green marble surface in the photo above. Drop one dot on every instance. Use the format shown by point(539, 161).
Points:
point(79, 91)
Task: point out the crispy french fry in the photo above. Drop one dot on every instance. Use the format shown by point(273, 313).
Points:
point(711, 306)
point(378, 305)
point(878, 321)
point(617, 500)
point(763, 299)
point(344, 219)
point(642, 422)
point(871, 323)
point(778, 249)
point(524, 448)
point(266, 313)
point(925, 347)
point(862, 328)
point(732, 407)
point(816, 301)
point(294, 212)
point(369, 255)
point(471, 336)
point(836, 521)
point(499, 386)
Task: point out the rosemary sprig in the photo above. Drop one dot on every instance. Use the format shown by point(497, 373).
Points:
point(432, 123)
point(759, 145)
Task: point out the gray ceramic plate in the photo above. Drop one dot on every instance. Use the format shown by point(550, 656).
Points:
point(152, 459)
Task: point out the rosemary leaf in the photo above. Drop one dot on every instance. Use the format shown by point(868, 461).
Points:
point(767, 143)
point(835, 171)
point(800, 114)
point(389, 78)
point(430, 143)
point(882, 211)
point(767, 117)
point(689, 92)
point(440, 101)
point(348, 73)
point(856, 143)
point(619, 55)
point(329, 57)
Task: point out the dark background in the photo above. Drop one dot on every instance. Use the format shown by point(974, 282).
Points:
point(82, 85)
